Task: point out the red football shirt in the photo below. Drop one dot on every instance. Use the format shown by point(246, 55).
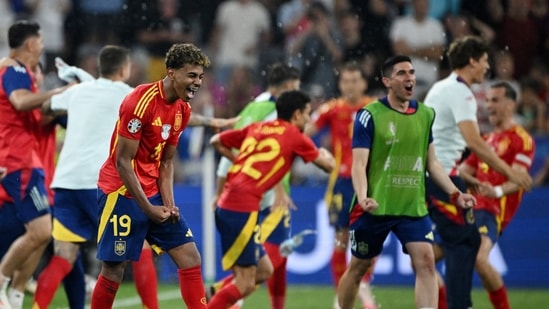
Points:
point(146, 116)
point(18, 143)
point(338, 116)
point(514, 146)
point(266, 153)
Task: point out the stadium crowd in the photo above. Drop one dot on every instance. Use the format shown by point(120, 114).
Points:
point(243, 37)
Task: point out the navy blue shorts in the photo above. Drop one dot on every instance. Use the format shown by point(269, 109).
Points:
point(341, 199)
point(11, 227)
point(368, 233)
point(240, 237)
point(27, 190)
point(487, 224)
point(75, 215)
point(123, 228)
point(275, 226)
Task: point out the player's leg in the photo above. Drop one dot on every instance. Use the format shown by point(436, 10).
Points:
point(347, 289)
point(439, 255)
point(367, 235)
point(490, 277)
point(365, 289)
point(276, 284)
point(33, 210)
point(75, 284)
point(121, 233)
point(416, 235)
point(421, 254)
point(74, 223)
point(240, 242)
point(177, 240)
point(144, 276)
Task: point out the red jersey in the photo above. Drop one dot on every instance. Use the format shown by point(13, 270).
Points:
point(46, 149)
point(18, 142)
point(146, 116)
point(514, 146)
point(266, 153)
point(338, 116)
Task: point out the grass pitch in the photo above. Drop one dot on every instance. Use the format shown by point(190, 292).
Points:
point(312, 297)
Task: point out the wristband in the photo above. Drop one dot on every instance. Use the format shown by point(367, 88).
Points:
point(454, 196)
point(498, 190)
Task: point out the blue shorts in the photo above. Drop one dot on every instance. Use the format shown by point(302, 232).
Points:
point(340, 204)
point(487, 224)
point(123, 228)
point(275, 226)
point(28, 192)
point(11, 227)
point(75, 215)
point(240, 237)
point(368, 233)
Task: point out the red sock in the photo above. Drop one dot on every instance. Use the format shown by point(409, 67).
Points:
point(277, 282)
point(144, 275)
point(226, 297)
point(499, 299)
point(192, 287)
point(442, 297)
point(104, 293)
point(339, 263)
point(49, 281)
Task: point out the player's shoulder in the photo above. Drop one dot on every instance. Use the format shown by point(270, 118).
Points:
point(523, 136)
point(142, 96)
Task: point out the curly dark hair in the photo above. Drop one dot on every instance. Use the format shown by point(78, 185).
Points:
point(180, 54)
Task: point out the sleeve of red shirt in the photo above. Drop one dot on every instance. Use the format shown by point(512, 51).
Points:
point(525, 152)
point(323, 116)
point(233, 138)
point(305, 148)
point(131, 125)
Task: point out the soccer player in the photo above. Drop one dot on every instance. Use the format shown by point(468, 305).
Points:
point(498, 199)
point(275, 225)
point(392, 151)
point(136, 200)
point(338, 115)
point(454, 129)
point(266, 153)
point(24, 182)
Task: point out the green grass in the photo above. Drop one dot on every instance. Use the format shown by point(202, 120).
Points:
point(314, 297)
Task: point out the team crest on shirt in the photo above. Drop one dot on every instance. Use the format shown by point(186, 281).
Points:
point(166, 131)
point(362, 248)
point(178, 121)
point(134, 125)
point(120, 247)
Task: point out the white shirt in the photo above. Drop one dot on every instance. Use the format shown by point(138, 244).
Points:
point(453, 102)
point(92, 109)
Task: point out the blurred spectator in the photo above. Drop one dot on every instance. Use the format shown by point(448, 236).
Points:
point(240, 89)
point(51, 14)
point(8, 17)
point(376, 17)
point(422, 38)
point(531, 109)
point(317, 51)
point(100, 20)
point(489, 11)
point(293, 19)
point(158, 25)
point(241, 28)
point(519, 33)
point(464, 24)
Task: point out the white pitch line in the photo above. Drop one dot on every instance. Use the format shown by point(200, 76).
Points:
point(133, 301)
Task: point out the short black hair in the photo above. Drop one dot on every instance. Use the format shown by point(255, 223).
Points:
point(185, 53)
point(111, 58)
point(353, 66)
point(388, 65)
point(510, 92)
point(279, 73)
point(20, 31)
point(465, 48)
point(289, 102)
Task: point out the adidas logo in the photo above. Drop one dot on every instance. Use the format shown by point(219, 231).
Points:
point(157, 122)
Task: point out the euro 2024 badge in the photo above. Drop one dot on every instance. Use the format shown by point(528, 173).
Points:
point(134, 125)
point(165, 131)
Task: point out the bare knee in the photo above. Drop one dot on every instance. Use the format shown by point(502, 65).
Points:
point(38, 231)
